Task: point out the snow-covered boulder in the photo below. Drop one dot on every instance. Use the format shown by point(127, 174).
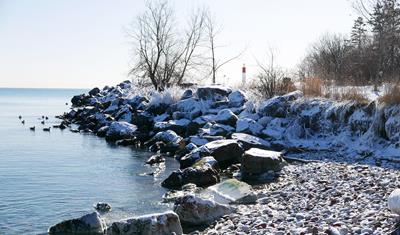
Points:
point(394, 201)
point(187, 94)
point(213, 92)
point(216, 129)
point(120, 130)
point(189, 108)
point(168, 137)
point(124, 114)
point(249, 126)
point(258, 161)
point(249, 141)
point(87, 224)
point(202, 175)
point(225, 151)
point(193, 210)
point(278, 105)
point(162, 223)
point(232, 191)
point(392, 124)
point(237, 98)
point(179, 126)
point(138, 102)
point(227, 117)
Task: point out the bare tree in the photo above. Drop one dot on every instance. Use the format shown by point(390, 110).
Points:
point(163, 53)
point(213, 29)
point(271, 79)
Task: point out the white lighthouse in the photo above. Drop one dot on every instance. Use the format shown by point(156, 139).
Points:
point(244, 75)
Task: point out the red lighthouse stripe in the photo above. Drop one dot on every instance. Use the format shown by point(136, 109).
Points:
point(243, 69)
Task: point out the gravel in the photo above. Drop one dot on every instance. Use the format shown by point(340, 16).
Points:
point(318, 198)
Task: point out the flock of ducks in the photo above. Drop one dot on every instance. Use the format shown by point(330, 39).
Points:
point(33, 128)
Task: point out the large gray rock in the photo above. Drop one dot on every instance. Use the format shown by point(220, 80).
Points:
point(278, 106)
point(120, 130)
point(249, 126)
point(232, 191)
point(394, 201)
point(225, 151)
point(227, 117)
point(258, 161)
point(193, 210)
point(213, 92)
point(193, 156)
point(86, 225)
point(154, 224)
point(249, 141)
point(201, 176)
point(237, 98)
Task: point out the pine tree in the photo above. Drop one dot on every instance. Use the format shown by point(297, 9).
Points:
point(358, 33)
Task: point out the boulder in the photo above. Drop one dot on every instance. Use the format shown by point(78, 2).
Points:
point(194, 155)
point(188, 108)
point(232, 191)
point(225, 151)
point(201, 176)
point(278, 106)
point(120, 130)
point(213, 92)
point(258, 161)
point(158, 158)
point(187, 94)
point(249, 126)
point(237, 98)
point(168, 137)
point(173, 195)
point(95, 91)
point(206, 160)
point(216, 129)
point(193, 210)
point(102, 207)
point(164, 224)
point(226, 116)
point(79, 100)
point(178, 126)
point(87, 224)
point(394, 201)
point(249, 141)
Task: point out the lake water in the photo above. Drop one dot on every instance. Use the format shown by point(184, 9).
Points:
point(46, 177)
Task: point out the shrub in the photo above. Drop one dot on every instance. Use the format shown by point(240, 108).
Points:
point(312, 87)
point(355, 95)
point(391, 94)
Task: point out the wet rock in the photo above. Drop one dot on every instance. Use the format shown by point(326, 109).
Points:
point(120, 130)
point(194, 210)
point(258, 161)
point(79, 100)
point(178, 126)
point(225, 151)
point(102, 131)
point(102, 207)
point(127, 142)
point(87, 224)
point(227, 117)
point(163, 223)
point(158, 158)
point(201, 176)
point(249, 141)
point(207, 160)
point(173, 195)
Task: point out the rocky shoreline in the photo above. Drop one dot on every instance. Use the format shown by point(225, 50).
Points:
point(226, 142)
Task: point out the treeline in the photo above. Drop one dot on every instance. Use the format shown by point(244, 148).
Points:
point(371, 55)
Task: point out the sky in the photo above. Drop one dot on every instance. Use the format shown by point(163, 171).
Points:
point(84, 43)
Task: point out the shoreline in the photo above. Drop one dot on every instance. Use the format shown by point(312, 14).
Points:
point(225, 127)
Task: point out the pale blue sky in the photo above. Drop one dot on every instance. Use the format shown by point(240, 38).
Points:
point(82, 43)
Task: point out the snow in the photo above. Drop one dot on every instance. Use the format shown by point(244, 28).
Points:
point(121, 128)
point(394, 201)
point(248, 125)
point(263, 153)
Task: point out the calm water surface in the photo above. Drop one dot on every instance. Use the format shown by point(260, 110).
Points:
point(47, 177)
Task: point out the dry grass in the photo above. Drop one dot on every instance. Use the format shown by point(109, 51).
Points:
point(391, 94)
point(312, 87)
point(354, 94)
